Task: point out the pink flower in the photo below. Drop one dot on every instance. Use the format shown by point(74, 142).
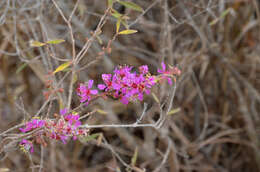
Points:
point(166, 74)
point(64, 111)
point(143, 69)
point(26, 146)
point(73, 119)
point(34, 123)
point(85, 92)
point(107, 80)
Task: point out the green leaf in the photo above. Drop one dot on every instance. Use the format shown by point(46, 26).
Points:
point(61, 106)
point(75, 78)
point(55, 41)
point(134, 158)
point(127, 32)
point(91, 137)
point(101, 112)
point(99, 40)
point(36, 44)
point(116, 14)
point(20, 68)
point(173, 111)
point(155, 98)
point(110, 3)
point(62, 67)
point(131, 5)
point(124, 22)
point(118, 25)
point(222, 15)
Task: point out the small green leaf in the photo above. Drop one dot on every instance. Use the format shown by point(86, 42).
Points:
point(101, 112)
point(110, 3)
point(99, 40)
point(55, 41)
point(62, 67)
point(134, 158)
point(61, 106)
point(116, 14)
point(20, 68)
point(82, 8)
point(173, 111)
point(75, 78)
point(155, 98)
point(118, 25)
point(131, 5)
point(127, 32)
point(99, 139)
point(222, 15)
point(124, 22)
point(36, 44)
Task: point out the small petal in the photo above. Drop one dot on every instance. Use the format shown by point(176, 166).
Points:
point(90, 83)
point(143, 69)
point(83, 99)
point(163, 66)
point(159, 71)
point(116, 86)
point(93, 92)
point(22, 130)
point(63, 139)
point(82, 88)
point(169, 81)
point(140, 96)
point(101, 86)
point(78, 123)
point(147, 91)
point(106, 77)
point(63, 111)
point(86, 103)
point(124, 100)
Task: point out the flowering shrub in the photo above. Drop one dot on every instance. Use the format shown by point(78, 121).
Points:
point(124, 84)
point(66, 126)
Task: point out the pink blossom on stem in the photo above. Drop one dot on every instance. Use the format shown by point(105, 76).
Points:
point(166, 74)
point(34, 123)
point(107, 80)
point(63, 128)
point(127, 85)
point(143, 69)
point(86, 93)
point(26, 146)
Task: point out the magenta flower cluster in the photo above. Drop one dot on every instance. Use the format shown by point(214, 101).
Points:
point(125, 84)
point(66, 126)
point(33, 124)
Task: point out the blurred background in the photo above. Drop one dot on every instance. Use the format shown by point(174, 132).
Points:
point(215, 43)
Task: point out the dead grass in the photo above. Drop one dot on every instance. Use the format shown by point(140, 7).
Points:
point(217, 128)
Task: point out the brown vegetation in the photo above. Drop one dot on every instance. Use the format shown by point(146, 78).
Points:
point(217, 127)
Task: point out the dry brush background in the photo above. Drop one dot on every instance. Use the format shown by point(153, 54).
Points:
point(217, 127)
